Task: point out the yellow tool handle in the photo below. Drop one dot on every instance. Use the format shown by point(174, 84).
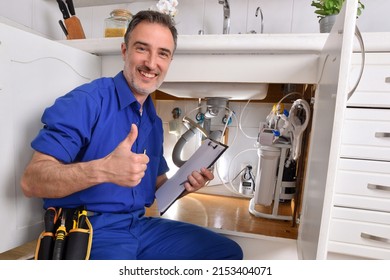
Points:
point(82, 219)
point(59, 244)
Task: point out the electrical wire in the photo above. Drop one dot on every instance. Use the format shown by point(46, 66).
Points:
point(238, 174)
point(231, 187)
point(226, 125)
point(289, 94)
point(240, 119)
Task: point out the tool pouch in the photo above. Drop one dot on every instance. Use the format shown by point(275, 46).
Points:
point(45, 245)
point(77, 242)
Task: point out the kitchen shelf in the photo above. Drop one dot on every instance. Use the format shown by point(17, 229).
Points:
point(89, 3)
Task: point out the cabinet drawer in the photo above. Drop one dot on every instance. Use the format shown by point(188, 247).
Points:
point(363, 184)
point(366, 134)
point(374, 87)
point(360, 232)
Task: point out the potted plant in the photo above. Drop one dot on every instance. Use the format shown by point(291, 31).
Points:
point(327, 10)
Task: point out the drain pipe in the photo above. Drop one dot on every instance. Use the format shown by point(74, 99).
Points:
point(193, 127)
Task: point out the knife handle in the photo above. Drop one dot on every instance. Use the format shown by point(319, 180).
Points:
point(70, 5)
point(74, 28)
point(63, 9)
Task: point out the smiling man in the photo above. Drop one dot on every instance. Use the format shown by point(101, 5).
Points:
point(101, 147)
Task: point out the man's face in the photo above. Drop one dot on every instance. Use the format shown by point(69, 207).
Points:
point(147, 57)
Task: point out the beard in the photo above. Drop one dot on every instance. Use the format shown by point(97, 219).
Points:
point(141, 89)
point(144, 89)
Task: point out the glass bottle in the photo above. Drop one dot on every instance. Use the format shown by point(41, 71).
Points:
point(116, 24)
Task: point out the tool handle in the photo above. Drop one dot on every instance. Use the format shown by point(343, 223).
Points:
point(82, 219)
point(50, 217)
point(59, 245)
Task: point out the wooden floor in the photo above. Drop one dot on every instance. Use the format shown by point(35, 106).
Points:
point(228, 213)
point(23, 252)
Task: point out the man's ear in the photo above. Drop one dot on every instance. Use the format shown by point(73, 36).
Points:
point(123, 50)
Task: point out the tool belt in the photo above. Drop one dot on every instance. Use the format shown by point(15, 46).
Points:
point(67, 235)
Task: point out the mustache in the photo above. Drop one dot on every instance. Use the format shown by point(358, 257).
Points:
point(145, 68)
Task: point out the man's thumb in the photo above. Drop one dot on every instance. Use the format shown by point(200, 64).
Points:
point(132, 136)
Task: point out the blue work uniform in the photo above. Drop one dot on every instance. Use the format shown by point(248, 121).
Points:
point(88, 123)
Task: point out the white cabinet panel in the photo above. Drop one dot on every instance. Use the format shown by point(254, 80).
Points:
point(34, 71)
point(363, 233)
point(360, 222)
point(363, 184)
point(329, 107)
point(374, 86)
point(366, 134)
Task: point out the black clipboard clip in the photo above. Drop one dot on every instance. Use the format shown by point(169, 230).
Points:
point(213, 146)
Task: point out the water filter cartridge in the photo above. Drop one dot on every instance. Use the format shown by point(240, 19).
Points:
point(266, 175)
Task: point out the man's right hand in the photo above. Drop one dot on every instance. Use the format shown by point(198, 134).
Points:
point(122, 166)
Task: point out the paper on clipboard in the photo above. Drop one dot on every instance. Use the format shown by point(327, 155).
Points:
point(205, 156)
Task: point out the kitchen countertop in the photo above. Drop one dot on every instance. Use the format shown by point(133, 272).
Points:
point(237, 66)
point(300, 43)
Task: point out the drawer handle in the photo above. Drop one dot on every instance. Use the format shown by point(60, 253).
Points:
point(378, 187)
point(387, 80)
point(382, 134)
point(374, 237)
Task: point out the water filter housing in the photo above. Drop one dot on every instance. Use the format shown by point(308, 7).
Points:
point(266, 175)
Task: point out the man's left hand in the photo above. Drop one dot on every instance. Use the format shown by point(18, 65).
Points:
point(198, 180)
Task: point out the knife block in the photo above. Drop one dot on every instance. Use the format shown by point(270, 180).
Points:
point(74, 28)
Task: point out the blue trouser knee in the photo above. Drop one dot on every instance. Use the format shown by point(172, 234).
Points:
point(132, 236)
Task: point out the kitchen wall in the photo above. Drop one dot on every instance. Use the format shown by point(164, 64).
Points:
point(280, 16)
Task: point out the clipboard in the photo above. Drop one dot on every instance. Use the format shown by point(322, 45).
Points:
point(205, 156)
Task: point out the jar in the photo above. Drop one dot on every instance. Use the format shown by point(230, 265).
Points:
point(116, 24)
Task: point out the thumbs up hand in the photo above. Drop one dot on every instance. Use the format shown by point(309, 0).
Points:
point(122, 166)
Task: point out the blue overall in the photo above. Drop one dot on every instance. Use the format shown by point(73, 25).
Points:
point(88, 123)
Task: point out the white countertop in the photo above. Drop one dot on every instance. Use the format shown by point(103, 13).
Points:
point(241, 43)
point(238, 66)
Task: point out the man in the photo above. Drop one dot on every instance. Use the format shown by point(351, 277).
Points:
point(102, 147)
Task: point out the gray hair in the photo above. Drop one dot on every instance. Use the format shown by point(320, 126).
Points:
point(152, 17)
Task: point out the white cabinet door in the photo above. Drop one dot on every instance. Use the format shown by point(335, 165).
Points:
point(330, 101)
point(33, 72)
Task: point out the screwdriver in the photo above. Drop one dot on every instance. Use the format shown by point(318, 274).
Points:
point(59, 244)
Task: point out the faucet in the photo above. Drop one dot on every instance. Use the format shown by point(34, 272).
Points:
point(226, 15)
point(261, 18)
